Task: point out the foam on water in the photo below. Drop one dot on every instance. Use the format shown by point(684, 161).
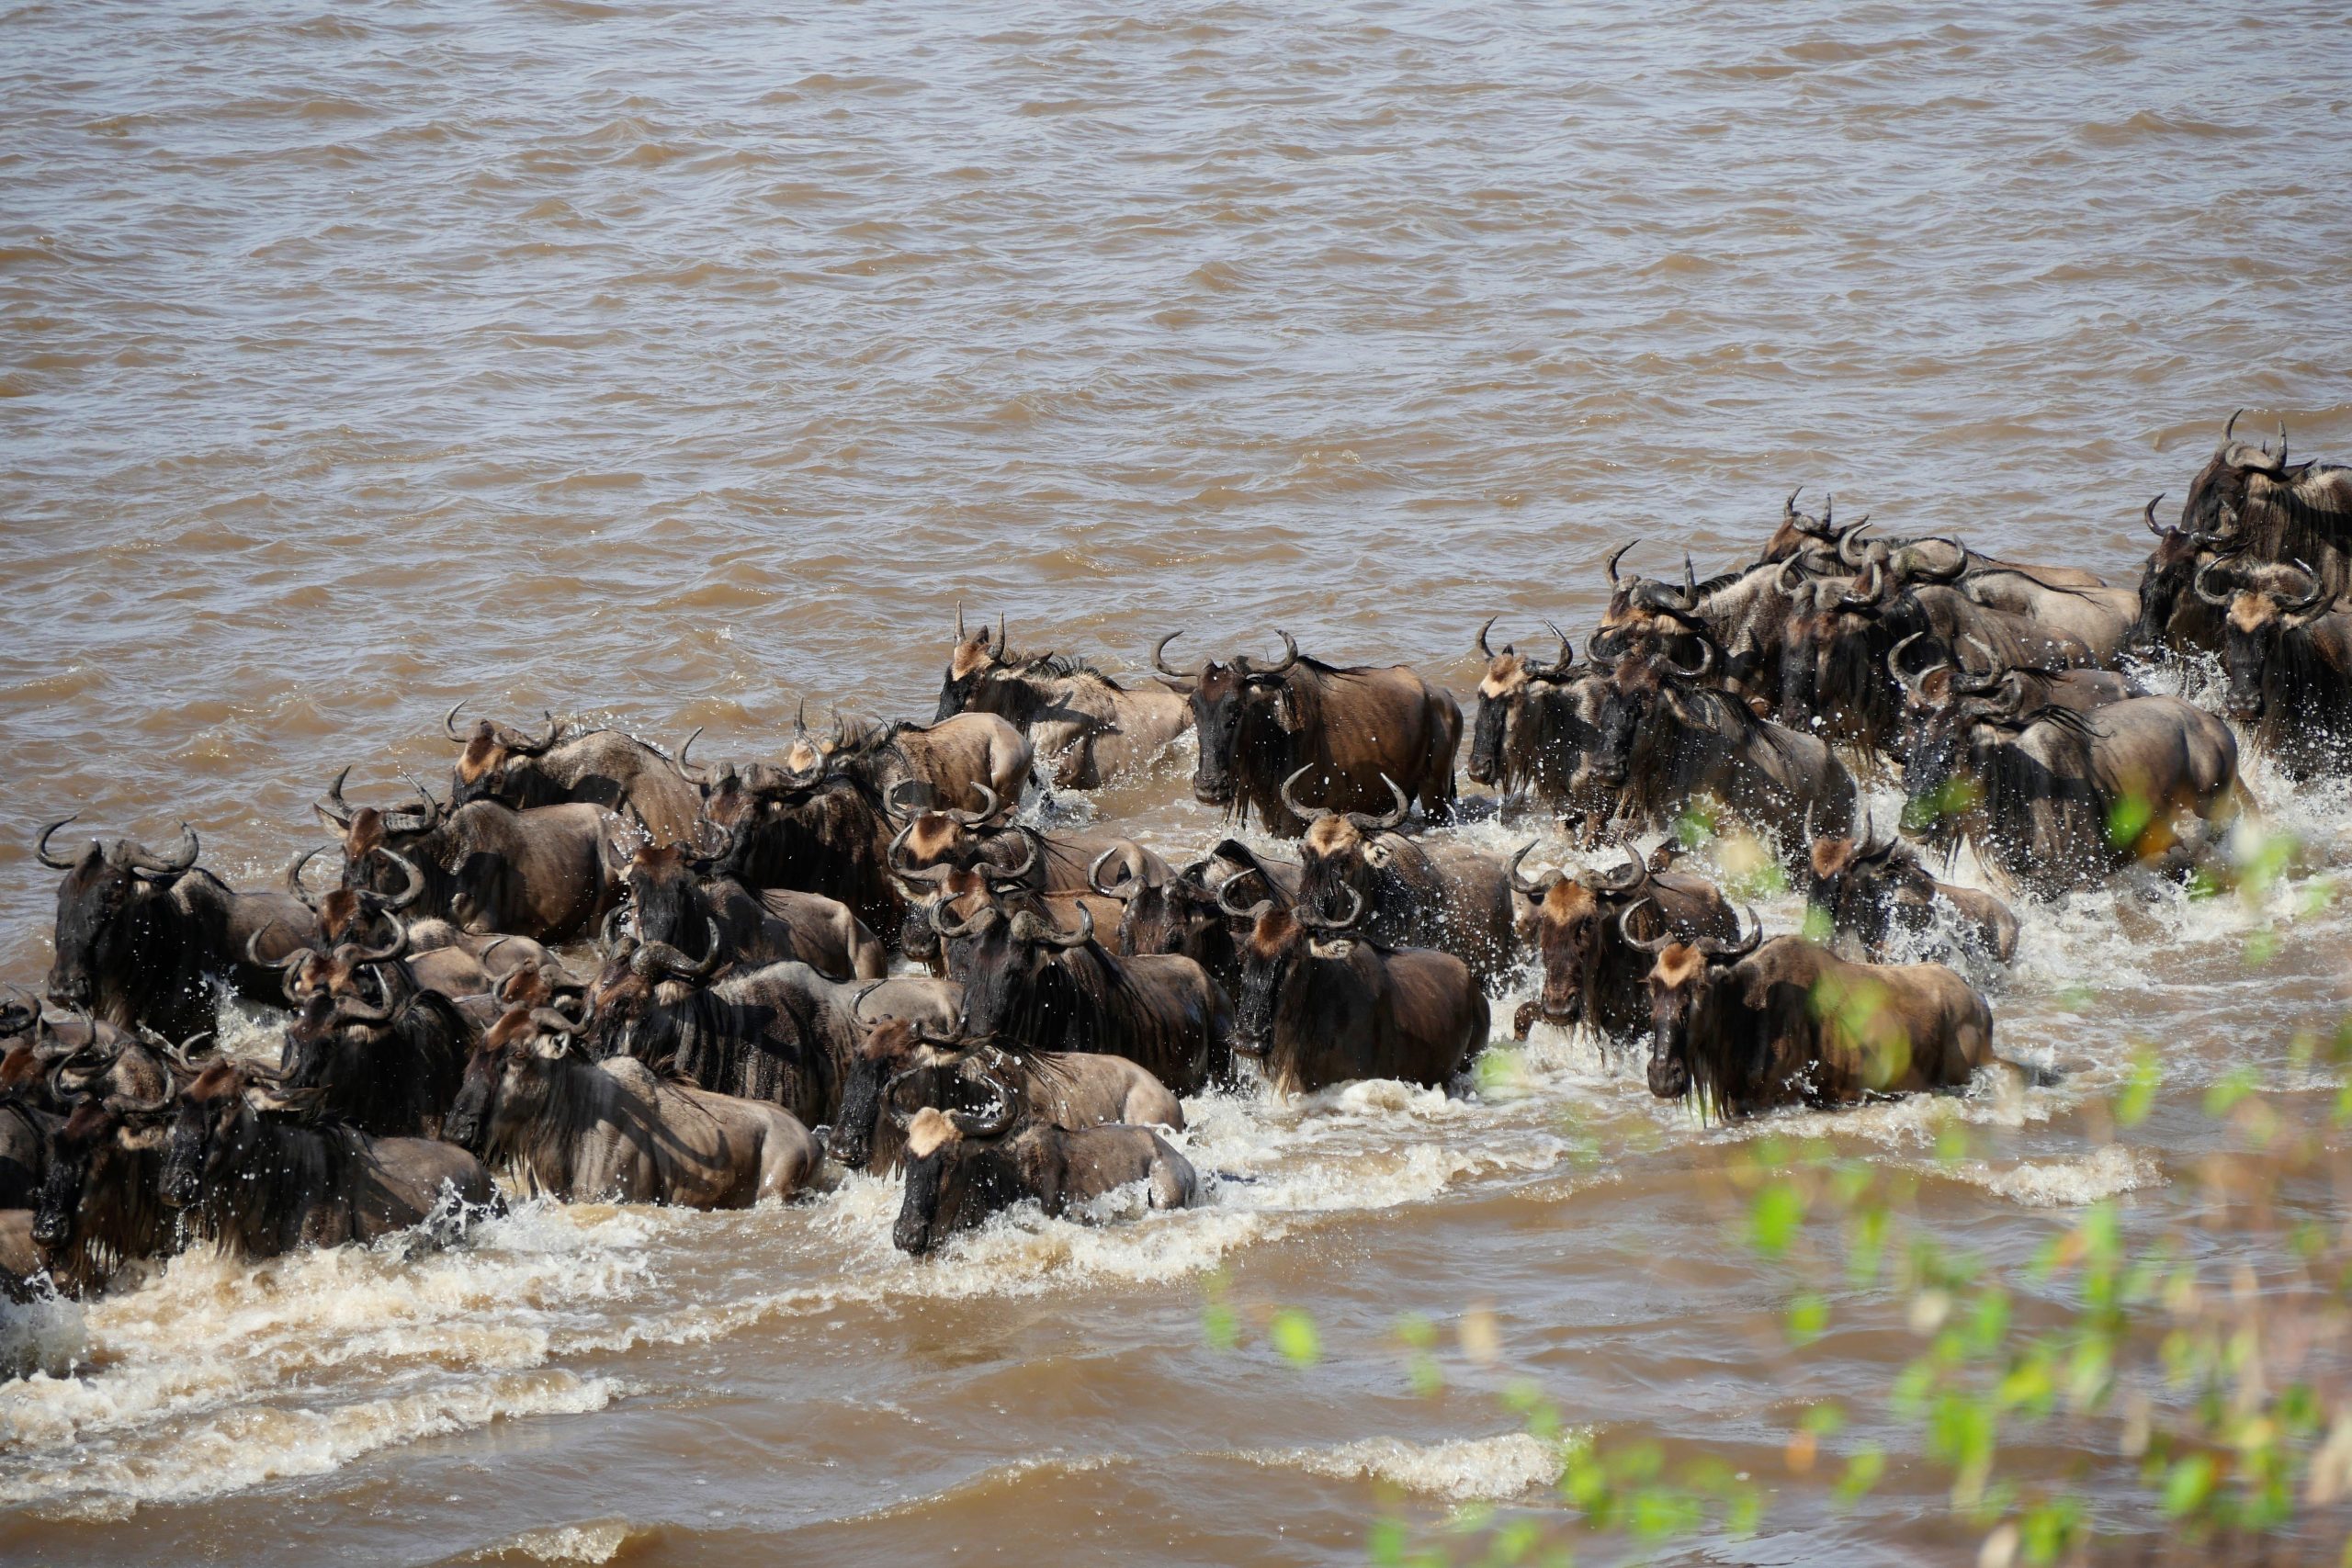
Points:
point(1463, 1471)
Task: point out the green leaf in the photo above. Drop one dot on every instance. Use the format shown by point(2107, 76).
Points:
point(1294, 1334)
point(1808, 1318)
point(1219, 1328)
point(1862, 1473)
point(2187, 1484)
point(1824, 1418)
point(2139, 1095)
point(2229, 1090)
point(1777, 1212)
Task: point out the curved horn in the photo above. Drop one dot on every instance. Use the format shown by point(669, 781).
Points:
point(430, 817)
point(1290, 656)
point(1789, 507)
point(1567, 658)
point(987, 1123)
point(971, 817)
point(253, 950)
point(1913, 682)
point(1738, 949)
point(2282, 443)
point(351, 1009)
point(2307, 607)
point(1690, 584)
point(1646, 945)
point(1793, 564)
point(1028, 866)
point(1381, 822)
point(996, 652)
point(41, 845)
point(662, 955)
point(2218, 601)
point(2149, 517)
point(1315, 923)
point(1303, 812)
point(1224, 902)
point(1123, 890)
point(142, 863)
point(535, 748)
point(415, 887)
point(1874, 575)
point(1085, 931)
point(2229, 431)
point(1635, 872)
point(1706, 661)
point(1541, 886)
point(294, 877)
point(1484, 651)
point(1159, 657)
point(1617, 555)
point(449, 721)
point(350, 953)
point(944, 925)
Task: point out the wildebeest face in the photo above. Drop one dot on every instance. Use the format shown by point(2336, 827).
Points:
point(1179, 916)
point(937, 1175)
point(97, 915)
point(2223, 484)
point(506, 1080)
point(662, 892)
point(1014, 980)
point(1935, 771)
point(2250, 633)
point(1502, 693)
point(1569, 935)
point(1623, 704)
point(214, 1125)
point(1337, 854)
point(71, 1150)
point(1223, 698)
point(2171, 567)
point(1676, 982)
point(1274, 948)
point(888, 1049)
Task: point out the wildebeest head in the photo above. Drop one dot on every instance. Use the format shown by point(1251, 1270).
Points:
point(1223, 696)
point(2172, 568)
point(944, 836)
point(665, 896)
point(1277, 943)
point(1019, 987)
point(1635, 684)
point(2259, 606)
point(108, 912)
point(509, 1076)
point(382, 849)
point(1833, 646)
point(498, 763)
point(215, 1124)
point(637, 973)
point(972, 666)
point(1343, 850)
point(1511, 684)
point(1857, 883)
point(1574, 917)
point(948, 1154)
point(883, 1080)
point(1178, 916)
point(89, 1151)
point(1818, 541)
point(2222, 485)
point(1680, 982)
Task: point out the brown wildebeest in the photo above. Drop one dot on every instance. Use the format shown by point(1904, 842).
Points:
point(1320, 1005)
point(595, 767)
point(1751, 1025)
point(1089, 730)
point(2279, 512)
point(540, 872)
point(148, 938)
point(1258, 725)
point(1879, 894)
point(903, 1068)
point(615, 1132)
point(1533, 722)
point(949, 761)
point(2171, 618)
point(817, 829)
point(1411, 893)
point(1591, 973)
point(679, 898)
point(963, 1168)
point(2287, 647)
point(249, 1170)
point(947, 905)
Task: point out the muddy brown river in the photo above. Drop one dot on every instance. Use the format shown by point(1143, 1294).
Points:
point(667, 365)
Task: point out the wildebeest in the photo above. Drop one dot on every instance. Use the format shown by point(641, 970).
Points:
point(1177, 914)
point(949, 761)
point(1034, 988)
point(1258, 725)
point(374, 1049)
point(540, 872)
point(146, 939)
point(2058, 799)
point(2286, 647)
point(1320, 1005)
point(783, 1033)
point(903, 1068)
point(595, 767)
point(2170, 616)
point(962, 1168)
point(2303, 513)
point(1089, 730)
point(100, 1205)
point(1667, 740)
point(613, 1130)
point(949, 906)
point(1751, 1025)
point(681, 899)
point(815, 830)
point(250, 1171)
point(1049, 863)
point(1878, 893)
point(1590, 973)
point(1533, 721)
point(1409, 893)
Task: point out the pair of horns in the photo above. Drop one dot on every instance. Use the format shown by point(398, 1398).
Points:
point(1369, 821)
point(1714, 951)
point(996, 653)
point(142, 860)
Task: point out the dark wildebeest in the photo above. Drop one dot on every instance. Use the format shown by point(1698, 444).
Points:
point(1410, 894)
point(903, 1068)
point(1320, 1005)
point(1885, 901)
point(814, 830)
point(1089, 730)
point(1177, 915)
point(783, 1033)
point(2170, 616)
point(147, 939)
point(1667, 739)
point(100, 1206)
point(1259, 724)
point(1750, 1027)
point(1051, 862)
point(372, 1044)
point(1033, 988)
point(948, 762)
point(2287, 651)
point(680, 900)
point(1592, 974)
point(612, 1131)
point(963, 1168)
point(946, 917)
point(2058, 799)
point(250, 1172)
point(595, 767)
point(540, 872)
point(2303, 513)
point(1534, 722)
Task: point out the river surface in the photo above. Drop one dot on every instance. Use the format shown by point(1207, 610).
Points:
point(668, 365)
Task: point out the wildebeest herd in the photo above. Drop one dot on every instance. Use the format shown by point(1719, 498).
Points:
point(598, 970)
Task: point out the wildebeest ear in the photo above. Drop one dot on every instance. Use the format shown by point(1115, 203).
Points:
point(1336, 947)
point(1375, 852)
point(1285, 714)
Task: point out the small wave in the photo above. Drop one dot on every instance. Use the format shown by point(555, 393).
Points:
point(1464, 1471)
